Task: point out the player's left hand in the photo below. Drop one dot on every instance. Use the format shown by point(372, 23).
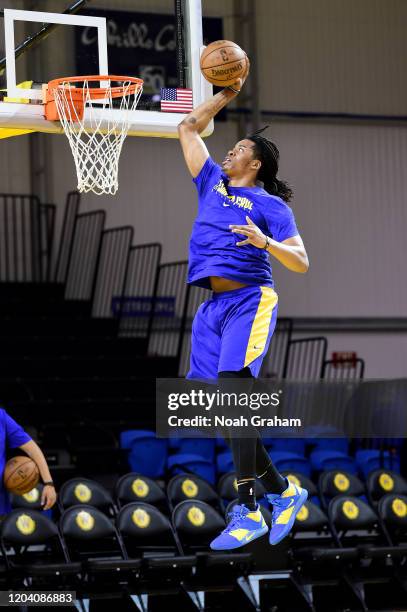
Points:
point(48, 497)
point(254, 234)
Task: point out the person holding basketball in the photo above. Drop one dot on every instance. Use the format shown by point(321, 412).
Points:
point(239, 224)
point(13, 435)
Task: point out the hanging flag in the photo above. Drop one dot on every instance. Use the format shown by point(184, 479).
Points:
point(176, 100)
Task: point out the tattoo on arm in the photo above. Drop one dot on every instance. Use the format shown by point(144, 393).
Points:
point(206, 111)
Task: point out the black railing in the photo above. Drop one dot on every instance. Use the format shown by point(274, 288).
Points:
point(111, 271)
point(274, 361)
point(21, 238)
point(84, 255)
point(67, 236)
point(48, 212)
point(196, 296)
point(135, 307)
point(169, 311)
point(305, 358)
point(343, 370)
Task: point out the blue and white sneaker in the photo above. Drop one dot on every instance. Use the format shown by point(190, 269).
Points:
point(285, 508)
point(244, 526)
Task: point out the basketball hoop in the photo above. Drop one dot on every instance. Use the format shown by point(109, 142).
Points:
point(96, 147)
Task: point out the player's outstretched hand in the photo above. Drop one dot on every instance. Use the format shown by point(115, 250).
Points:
point(254, 234)
point(238, 84)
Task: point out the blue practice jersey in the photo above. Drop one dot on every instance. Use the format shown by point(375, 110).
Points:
point(11, 436)
point(213, 250)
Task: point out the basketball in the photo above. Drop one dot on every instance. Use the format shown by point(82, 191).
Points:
point(222, 62)
point(21, 475)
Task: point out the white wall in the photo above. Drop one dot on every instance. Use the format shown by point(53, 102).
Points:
point(350, 201)
point(385, 354)
point(332, 55)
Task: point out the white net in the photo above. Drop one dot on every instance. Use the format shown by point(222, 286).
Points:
point(96, 138)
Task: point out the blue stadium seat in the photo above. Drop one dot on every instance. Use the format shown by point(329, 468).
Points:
point(148, 455)
point(198, 446)
point(224, 462)
point(323, 460)
point(291, 462)
point(220, 443)
point(130, 435)
point(181, 463)
point(317, 438)
point(289, 445)
point(330, 444)
point(173, 443)
point(369, 460)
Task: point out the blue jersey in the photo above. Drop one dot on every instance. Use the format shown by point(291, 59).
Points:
point(11, 436)
point(213, 250)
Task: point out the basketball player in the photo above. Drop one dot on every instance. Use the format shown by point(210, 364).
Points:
point(239, 224)
point(13, 435)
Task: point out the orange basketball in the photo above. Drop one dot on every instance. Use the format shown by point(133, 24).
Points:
point(20, 475)
point(223, 62)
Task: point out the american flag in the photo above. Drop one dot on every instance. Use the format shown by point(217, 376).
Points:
point(176, 100)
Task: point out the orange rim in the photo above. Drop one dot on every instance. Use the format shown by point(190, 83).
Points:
point(98, 92)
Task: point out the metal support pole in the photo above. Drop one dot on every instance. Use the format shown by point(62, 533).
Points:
point(39, 144)
point(245, 36)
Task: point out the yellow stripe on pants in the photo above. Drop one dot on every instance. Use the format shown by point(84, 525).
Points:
point(261, 324)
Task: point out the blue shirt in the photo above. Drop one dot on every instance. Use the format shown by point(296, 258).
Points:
point(213, 250)
point(11, 436)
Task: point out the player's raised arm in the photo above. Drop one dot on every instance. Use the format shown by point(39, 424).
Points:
point(193, 147)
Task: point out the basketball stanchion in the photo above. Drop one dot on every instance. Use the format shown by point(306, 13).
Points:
point(95, 133)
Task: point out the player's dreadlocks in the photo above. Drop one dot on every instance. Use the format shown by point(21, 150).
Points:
point(267, 152)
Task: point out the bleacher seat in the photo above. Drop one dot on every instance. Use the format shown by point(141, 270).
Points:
point(92, 539)
point(392, 510)
point(220, 443)
point(337, 482)
point(369, 460)
point(285, 461)
point(32, 499)
point(189, 486)
point(224, 462)
point(353, 520)
point(198, 446)
point(331, 444)
point(383, 482)
point(85, 491)
point(191, 463)
point(134, 487)
point(287, 444)
point(326, 437)
point(323, 460)
point(355, 523)
point(148, 454)
point(196, 524)
point(44, 557)
point(147, 534)
point(321, 562)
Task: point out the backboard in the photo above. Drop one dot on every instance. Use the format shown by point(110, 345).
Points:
point(161, 46)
